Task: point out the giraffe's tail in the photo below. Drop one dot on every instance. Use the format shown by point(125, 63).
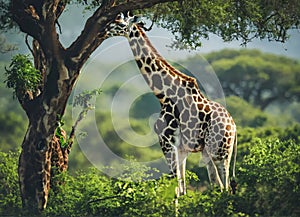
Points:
point(233, 183)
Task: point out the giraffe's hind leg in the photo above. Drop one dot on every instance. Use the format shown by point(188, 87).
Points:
point(224, 165)
point(223, 171)
point(212, 169)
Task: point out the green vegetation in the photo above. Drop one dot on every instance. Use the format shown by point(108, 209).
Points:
point(22, 76)
point(268, 166)
point(268, 186)
point(192, 20)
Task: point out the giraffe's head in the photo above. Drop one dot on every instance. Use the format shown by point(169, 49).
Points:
point(134, 20)
point(123, 24)
point(119, 27)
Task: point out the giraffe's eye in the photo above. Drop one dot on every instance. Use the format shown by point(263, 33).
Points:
point(118, 17)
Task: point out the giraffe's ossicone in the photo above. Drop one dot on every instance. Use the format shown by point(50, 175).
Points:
point(188, 121)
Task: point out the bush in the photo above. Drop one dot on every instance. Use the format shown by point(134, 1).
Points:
point(268, 177)
point(94, 194)
point(10, 201)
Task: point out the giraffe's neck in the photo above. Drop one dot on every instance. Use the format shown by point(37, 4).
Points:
point(158, 73)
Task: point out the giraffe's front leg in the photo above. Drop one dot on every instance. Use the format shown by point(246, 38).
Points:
point(169, 136)
point(170, 155)
point(167, 140)
point(181, 155)
point(176, 160)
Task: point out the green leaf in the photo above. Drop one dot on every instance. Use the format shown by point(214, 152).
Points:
point(22, 76)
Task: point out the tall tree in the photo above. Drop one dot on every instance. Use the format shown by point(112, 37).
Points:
point(259, 78)
point(59, 66)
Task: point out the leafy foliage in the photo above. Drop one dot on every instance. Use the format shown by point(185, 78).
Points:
point(83, 99)
point(97, 194)
point(268, 178)
point(22, 76)
point(271, 173)
point(192, 20)
point(257, 77)
point(10, 202)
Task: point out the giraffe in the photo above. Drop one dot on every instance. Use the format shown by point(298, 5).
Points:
point(188, 121)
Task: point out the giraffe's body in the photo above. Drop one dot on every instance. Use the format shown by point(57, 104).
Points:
point(188, 121)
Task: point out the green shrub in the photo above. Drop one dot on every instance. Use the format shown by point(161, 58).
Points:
point(22, 76)
point(10, 201)
point(94, 194)
point(270, 177)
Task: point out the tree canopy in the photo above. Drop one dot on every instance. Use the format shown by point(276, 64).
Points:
point(258, 78)
point(188, 20)
point(191, 20)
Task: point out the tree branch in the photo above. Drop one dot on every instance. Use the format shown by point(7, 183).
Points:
point(94, 31)
point(27, 18)
point(38, 19)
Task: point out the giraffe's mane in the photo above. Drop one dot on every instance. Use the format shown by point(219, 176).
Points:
point(164, 61)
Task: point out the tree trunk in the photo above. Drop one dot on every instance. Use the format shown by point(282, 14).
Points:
point(42, 151)
point(42, 154)
point(34, 168)
point(40, 158)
